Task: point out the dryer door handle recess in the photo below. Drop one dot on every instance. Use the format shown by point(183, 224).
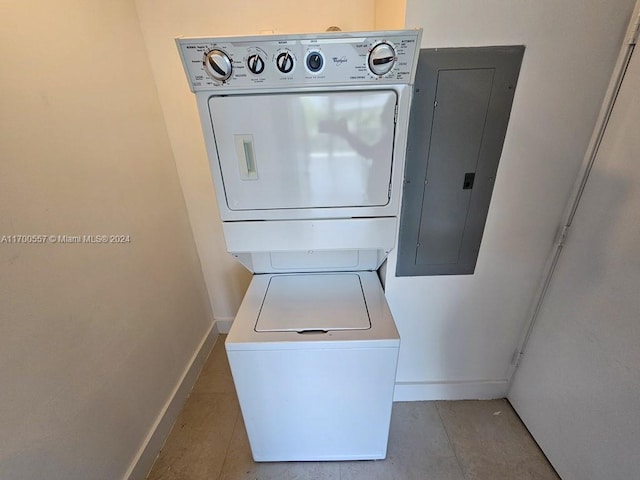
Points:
point(246, 157)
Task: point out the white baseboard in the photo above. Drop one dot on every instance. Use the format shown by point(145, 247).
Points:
point(471, 390)
point(146, 456)
point(222, 325)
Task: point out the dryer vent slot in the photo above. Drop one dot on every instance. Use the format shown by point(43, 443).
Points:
point(316, 331)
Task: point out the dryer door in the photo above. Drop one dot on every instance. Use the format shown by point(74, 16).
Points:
point(305, 150)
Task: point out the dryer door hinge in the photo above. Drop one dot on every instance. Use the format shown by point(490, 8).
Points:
point(395, 114)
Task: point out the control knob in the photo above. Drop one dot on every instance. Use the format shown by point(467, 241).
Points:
point(315, 62)
point(284, 62)
point(382, 58)
point(255, 64)
point(217, 64)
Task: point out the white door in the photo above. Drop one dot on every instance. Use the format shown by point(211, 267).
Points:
point(305, 150)
point(578, 387)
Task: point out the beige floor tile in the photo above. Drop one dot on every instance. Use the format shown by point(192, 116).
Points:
point(216, 374)
point(239, 464)
point(491, 442)
point(198, 442)
point(418, 449)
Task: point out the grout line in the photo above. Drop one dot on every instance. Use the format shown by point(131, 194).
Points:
point(233, 433)
point(453, 447)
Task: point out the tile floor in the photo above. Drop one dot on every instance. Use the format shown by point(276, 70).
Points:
point(465, 440)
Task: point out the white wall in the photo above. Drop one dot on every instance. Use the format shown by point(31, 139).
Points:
point(389, 14)
point(578, 387)
point(459, 333)
point(93, 338)
point(164, 20)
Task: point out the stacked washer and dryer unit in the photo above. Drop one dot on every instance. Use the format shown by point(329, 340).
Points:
point(306, 138)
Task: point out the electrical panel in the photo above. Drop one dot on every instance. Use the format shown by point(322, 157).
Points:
point(459, 116)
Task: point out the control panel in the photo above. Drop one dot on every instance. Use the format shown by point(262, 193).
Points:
point(285, 61)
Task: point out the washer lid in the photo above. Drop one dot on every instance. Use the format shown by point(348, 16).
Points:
point(313, 302)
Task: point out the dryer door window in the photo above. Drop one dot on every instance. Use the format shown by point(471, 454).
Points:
point(305, 150)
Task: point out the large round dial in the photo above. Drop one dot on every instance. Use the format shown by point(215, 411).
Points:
point(382, 58)
point(217, 64)
point(255, 64)
point(284, 62)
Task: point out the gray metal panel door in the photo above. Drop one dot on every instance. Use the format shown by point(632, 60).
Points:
point(458, 122)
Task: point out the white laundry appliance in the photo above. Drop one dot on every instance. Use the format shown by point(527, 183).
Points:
point(306, 137)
